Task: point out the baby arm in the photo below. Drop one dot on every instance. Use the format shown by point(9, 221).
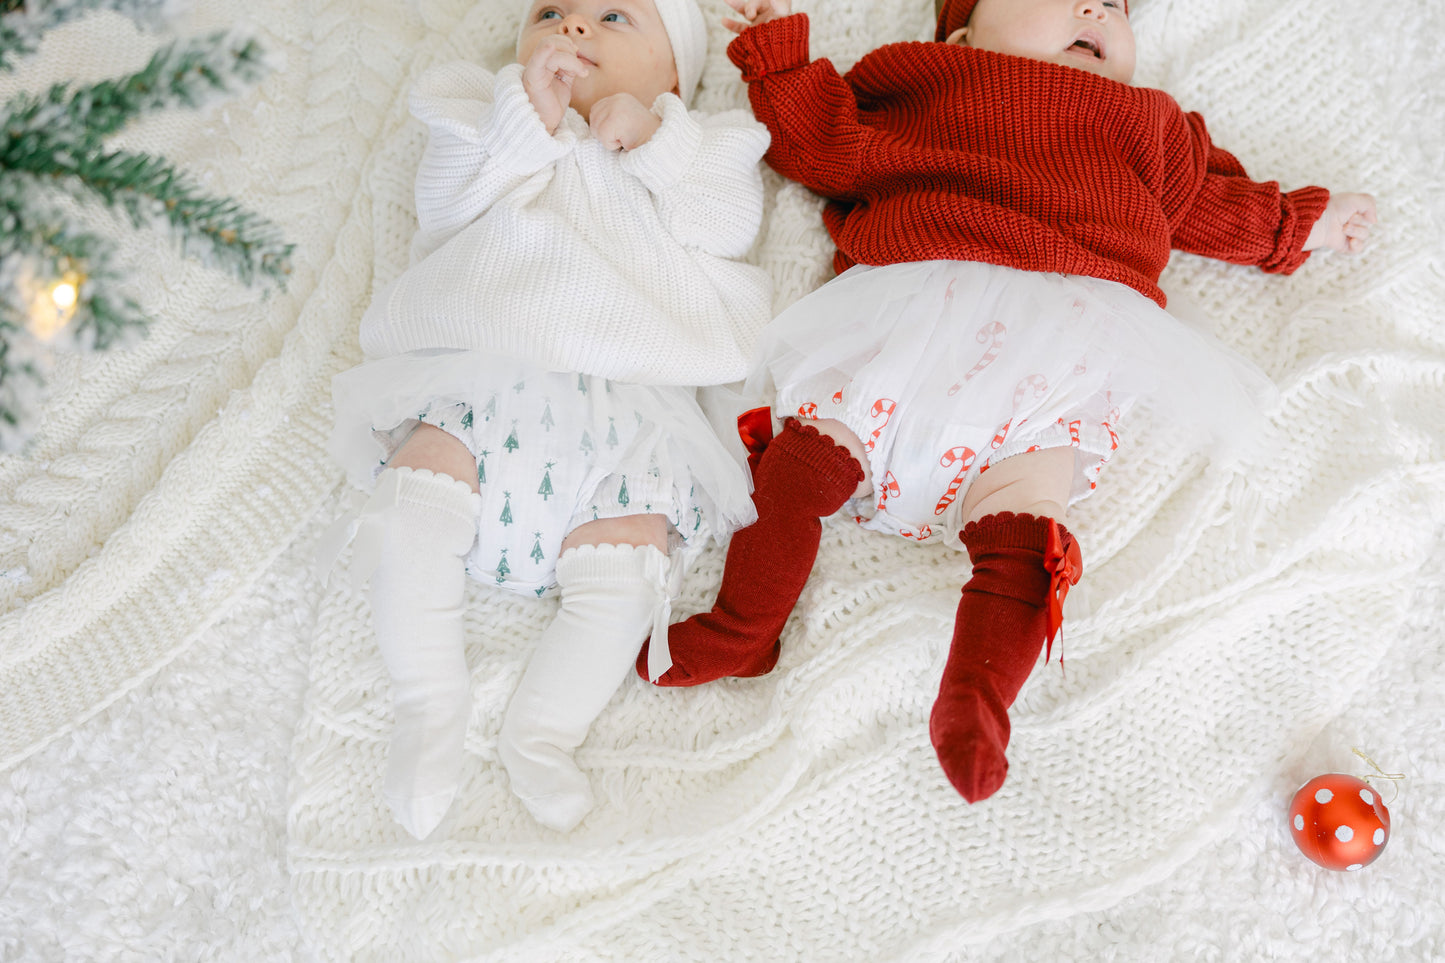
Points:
point(704, 177)
point(1218, 211)
point(484, 140)
point(1345, 224)
point(810, 111)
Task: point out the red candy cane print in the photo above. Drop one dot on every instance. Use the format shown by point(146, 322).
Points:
point(889, 489)
point(1113, 436)
point(1073, 433)
point(923, 534)
point(1037, 384)
point(883, 407)
point(963, 457)
point(992, 334)
point(1001, 434)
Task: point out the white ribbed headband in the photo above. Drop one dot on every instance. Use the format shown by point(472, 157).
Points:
point(686, 31)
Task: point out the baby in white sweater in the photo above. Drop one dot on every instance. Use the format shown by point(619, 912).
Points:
point(526, 414)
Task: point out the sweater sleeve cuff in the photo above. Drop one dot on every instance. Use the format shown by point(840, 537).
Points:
point(670, 151)
point(780, 44)
point(514, 136)
point(1299, 210)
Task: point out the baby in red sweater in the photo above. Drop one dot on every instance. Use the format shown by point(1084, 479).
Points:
point(1003, 202)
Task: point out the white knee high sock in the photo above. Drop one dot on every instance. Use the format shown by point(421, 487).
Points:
point(423, 525)
point(610, 596)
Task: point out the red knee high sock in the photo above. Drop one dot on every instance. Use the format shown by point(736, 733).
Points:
point(1022, 568)
point(802, 477)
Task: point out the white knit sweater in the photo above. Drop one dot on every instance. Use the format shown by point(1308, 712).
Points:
point(624, 264)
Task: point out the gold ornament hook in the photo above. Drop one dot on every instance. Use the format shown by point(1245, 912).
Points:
point(1394, 777)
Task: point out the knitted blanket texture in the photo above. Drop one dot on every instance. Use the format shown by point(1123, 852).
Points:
point(193, 725)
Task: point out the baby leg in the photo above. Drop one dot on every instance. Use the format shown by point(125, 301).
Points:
point(613, 578)
point(804, 475)
point(427, 521)
point(1023, 559)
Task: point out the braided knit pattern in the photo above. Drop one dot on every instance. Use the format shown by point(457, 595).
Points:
point(1227, 616)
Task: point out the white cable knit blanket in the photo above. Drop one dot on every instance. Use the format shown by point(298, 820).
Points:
point(1226, 616)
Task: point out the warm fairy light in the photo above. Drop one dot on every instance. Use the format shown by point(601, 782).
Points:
point(64, 295)
point(54, 306)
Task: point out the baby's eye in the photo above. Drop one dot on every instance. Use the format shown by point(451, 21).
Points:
point(548, 15)
point(614, 18)
point(1114, 4)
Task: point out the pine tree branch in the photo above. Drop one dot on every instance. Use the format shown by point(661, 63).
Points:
point(186, 74)
point(148, 188)
point(24, 22)
point(58, 138)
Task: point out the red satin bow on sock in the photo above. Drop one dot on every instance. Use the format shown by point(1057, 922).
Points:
point(1065, 565)
point(755, 428)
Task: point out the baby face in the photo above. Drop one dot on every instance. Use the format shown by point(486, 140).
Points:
point(622, 43)
point(1092, 35)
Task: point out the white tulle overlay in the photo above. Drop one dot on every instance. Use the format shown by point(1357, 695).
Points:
point(943, 368)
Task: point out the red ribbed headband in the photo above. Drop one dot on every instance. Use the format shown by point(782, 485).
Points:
point(955, 14)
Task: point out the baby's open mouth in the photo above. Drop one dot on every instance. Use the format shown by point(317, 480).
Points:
point(1087, 45)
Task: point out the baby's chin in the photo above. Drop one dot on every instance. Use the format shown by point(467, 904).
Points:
point(584, 96)
point(1101, 68)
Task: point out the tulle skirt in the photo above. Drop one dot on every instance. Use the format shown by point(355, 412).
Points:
point(943, 368)
point(553, 450)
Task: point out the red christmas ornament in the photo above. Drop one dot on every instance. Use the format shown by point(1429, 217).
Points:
point(1339, 821)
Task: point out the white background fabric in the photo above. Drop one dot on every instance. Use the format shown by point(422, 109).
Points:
point(192, 727)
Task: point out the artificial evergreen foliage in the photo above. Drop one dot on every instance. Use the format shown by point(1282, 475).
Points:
point(52, 146)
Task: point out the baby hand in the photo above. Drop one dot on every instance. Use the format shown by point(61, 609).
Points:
point(620, 121)
point(755, 12)
point(1345, 224)
point(547, 78)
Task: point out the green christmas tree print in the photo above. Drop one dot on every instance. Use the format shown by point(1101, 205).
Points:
point(506, 517)
point(547, 421)
point(587, 445)
point(511, 444)
point(545, 490)
point(581, 384)
point(490, 411)
point(696, 518)
point(622, 497)
point(467, 419)
point(482, 467)
point(503, 569)
point(612, 433)
point(537, 553)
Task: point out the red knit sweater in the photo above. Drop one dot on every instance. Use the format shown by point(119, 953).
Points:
point(931, 150)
